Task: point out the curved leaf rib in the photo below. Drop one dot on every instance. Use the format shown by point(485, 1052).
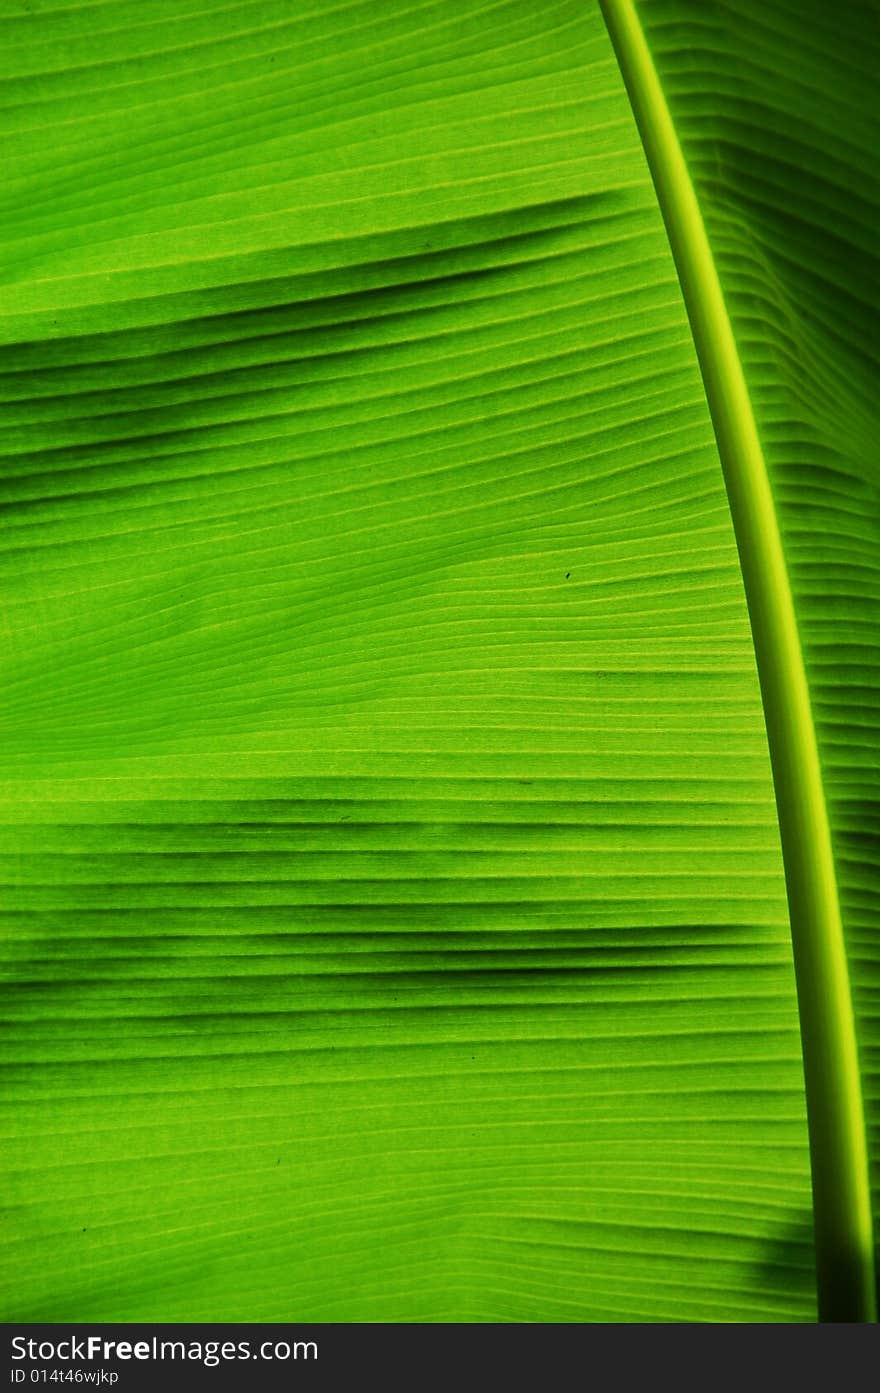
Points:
point(841, 1196)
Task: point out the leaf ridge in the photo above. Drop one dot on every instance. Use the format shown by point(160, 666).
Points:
point(836, 1118)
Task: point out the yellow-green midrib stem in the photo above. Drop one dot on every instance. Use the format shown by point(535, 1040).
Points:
point(836, 1119)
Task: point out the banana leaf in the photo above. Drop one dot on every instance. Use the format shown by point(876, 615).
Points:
point(441, 580)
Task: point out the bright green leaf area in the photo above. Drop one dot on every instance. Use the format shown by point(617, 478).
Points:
point(395, 914)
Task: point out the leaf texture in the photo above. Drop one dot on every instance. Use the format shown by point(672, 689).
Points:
point(395, 918)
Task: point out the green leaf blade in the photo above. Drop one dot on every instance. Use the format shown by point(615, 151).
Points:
point(394, 898)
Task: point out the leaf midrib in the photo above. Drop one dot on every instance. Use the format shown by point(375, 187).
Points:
point(836, 1119)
